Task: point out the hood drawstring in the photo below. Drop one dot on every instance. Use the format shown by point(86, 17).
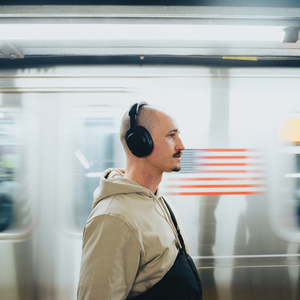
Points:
point(167, 217)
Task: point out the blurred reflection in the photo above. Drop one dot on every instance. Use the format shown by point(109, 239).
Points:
point(297, 189)
point(6, 212)
point(255, 237)
point(8, 164)
point(289, 131)
point(218, 138)
point(95, 154)
point(16, 129)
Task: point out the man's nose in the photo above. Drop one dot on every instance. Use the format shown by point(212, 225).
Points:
point(180, 145)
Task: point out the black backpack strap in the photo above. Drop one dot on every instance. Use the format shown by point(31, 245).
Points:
point(175, 224)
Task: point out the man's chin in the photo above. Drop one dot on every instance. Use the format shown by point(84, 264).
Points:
point(177, 169)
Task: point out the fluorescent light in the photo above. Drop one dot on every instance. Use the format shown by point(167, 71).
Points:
point(92, 175)
point(139, 32)
point(292, 175)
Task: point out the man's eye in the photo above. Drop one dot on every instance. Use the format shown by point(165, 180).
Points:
point(171, 135)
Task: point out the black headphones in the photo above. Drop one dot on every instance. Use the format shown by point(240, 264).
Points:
point(138, 138)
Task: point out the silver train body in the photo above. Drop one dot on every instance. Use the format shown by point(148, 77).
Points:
point(237, 194)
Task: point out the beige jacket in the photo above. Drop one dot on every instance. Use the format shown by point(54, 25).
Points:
point(129, 240)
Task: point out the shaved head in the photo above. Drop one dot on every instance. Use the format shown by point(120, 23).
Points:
point(148, 116)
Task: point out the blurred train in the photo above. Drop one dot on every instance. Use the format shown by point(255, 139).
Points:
point(238, 192)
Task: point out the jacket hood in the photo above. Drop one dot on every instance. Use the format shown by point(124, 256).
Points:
point(112, 182)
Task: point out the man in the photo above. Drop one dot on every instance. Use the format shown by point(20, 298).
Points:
point(132, 247)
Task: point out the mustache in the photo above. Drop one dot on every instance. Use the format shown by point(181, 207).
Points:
point(177, 153)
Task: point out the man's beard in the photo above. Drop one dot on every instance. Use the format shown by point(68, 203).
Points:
point(177, 169)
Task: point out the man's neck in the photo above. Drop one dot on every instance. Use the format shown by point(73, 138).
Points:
point(144, 177)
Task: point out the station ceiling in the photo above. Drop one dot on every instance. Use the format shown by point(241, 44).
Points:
point(219, 12)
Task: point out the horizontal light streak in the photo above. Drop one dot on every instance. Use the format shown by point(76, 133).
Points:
point(232, 171)
point(208, 167)
point(219, 189)
point(200, 186)
point(212, 188)
point(235, 171)
point(292, 175)
point(215, 178)
point(92, 175)
point(246, 256)
point(222, 161)
point(248, 267)
point(214, 193)
point(228, 164)
point(225, 150)
point(224, 157)
point(140, 32)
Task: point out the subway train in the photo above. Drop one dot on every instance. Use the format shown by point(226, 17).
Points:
point(237, 194)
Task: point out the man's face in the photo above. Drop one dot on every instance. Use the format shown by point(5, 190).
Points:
point(167, 145)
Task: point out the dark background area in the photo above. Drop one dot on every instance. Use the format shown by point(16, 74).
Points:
point(41, 62)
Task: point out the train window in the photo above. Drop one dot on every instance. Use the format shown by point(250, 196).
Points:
point(286, 203)
point(16, 168)
point(90, 144)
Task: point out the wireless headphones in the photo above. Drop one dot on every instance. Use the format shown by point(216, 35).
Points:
point(138, 138)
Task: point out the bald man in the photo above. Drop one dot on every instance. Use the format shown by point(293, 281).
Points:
point(132, 244)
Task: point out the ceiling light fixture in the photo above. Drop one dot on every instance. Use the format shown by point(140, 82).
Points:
point(142, 32)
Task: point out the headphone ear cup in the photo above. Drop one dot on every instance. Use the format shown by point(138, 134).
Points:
point(139, 141)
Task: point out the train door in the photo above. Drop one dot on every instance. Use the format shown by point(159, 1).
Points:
point(89, 143)
point(18, 162)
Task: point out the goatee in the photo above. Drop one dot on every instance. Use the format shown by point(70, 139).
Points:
point(177, 169)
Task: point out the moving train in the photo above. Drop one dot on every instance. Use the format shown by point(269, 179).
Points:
point(238, 192)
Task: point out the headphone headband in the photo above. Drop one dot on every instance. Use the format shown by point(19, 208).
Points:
point(138, 138)
point(133, 113)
